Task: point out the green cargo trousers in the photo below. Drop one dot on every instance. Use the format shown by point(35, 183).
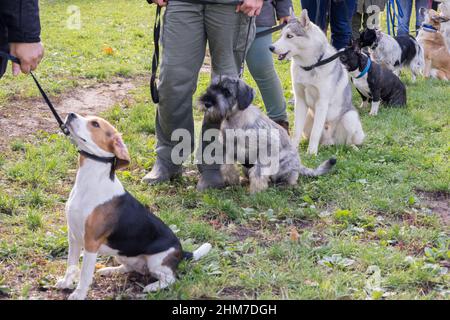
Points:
point(187, 28)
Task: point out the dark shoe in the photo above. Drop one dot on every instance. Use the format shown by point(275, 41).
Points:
point(210, 179)
point(161, 173)
point(284, 124)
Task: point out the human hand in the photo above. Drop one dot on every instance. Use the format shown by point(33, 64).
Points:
point(284, 20)
point(250, 7)
point(161, 3)
point(29, 54)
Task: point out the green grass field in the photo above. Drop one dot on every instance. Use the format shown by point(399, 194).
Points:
point(375, 228)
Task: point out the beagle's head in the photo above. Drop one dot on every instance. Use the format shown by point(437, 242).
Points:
point(98, 137)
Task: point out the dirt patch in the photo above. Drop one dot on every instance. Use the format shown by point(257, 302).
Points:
point(438, 202)
point(22, 118)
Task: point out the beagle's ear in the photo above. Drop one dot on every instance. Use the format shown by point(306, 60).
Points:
point(245, 95)
point(121, 152)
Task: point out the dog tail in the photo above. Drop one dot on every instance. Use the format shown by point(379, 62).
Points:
point(199, 253)
point(418, 63)
point(324, 168)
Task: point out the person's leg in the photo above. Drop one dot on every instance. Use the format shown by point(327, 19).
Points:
point(356, 25)
point(403, 23)
point(340, 17)
point(317, 10)
point(260, 64)
point(435, 5)
point(227, 33)
point(184, 44)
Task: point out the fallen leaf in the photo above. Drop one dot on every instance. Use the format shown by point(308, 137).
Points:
point(293, 234)
point(108, 51)
point(99, 266)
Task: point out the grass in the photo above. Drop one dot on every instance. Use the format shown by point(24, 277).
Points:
point(364, 231)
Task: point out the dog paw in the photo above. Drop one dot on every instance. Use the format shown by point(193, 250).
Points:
point(373, 113)
point(107, 271)
point(64, 283)
point(77, 295)
point(312, 151)
point(152, 287)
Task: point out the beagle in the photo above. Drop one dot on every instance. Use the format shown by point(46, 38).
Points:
point(103, 218)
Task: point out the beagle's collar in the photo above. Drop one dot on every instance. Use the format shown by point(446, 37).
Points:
point(111, 160)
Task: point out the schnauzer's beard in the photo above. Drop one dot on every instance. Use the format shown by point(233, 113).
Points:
point(219, 111)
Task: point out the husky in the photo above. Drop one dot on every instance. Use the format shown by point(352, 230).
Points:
point(324, 112)
point(403, 51)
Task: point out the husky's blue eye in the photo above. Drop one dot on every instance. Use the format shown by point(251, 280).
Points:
point(289, 36)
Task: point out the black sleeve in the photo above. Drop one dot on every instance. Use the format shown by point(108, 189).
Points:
point(21, 18)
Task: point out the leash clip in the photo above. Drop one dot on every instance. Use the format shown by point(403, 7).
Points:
point(64, 129)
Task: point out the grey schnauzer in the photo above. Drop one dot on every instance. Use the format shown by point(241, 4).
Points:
point(228, 101)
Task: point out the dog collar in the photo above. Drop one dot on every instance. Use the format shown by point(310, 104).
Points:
point(366, 68)
point(111, 160)
point(429, 28)
point(323, 62)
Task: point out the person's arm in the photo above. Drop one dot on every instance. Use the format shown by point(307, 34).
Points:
point(21, 17)
point(282, 9)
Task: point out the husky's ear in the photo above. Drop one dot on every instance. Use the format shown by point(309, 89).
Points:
point(304, 18)
point(245, 95)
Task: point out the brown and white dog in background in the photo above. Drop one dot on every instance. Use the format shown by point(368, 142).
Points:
point(103, 218)
point(437, 55)
point(444, 10)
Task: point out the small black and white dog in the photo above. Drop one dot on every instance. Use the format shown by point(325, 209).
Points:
point(375, 83)
point(228, 101)
point(395, 53)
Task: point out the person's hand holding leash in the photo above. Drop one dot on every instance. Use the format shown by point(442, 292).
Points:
point(29, 54)
point(161, 3)
point(250, 7)
point(284, 20)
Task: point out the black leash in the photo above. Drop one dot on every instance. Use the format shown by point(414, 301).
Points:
point(44, 95)
point(270, 31)
point(62, 126)
point(155, 58)
point(324, 61)
point(241, 71)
